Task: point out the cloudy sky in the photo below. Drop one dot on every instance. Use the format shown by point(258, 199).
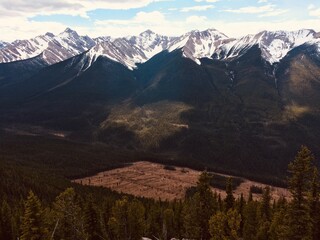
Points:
point(21, 19)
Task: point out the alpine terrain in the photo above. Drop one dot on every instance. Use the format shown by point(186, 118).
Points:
point(201, 99)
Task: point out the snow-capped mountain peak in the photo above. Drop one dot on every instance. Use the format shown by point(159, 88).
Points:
point(3, 44)
point(276, 45)
point(150, 42)
point(199, 44)
point(131, 50)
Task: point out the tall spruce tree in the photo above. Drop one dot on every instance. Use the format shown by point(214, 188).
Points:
point(168, 222)
point(136, 220)
point(300, 184)
point(205, 204)
point(225, 226)
point(6, 221)
point(230, 198)
point(91, 221)
point(264, 215)
point(118, 223)
point(250, 221)
point(315, 205)
point(32, 225)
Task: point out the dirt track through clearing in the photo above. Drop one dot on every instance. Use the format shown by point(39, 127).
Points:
point(151, 180)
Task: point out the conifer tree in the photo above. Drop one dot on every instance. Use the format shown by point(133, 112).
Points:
point(230, 198)
point(136, 220)
point(6, 221)
point(315, 205)
point(32, 226)
point(217, 226)
point(300, 183)
point(192, 228)
point(68, 216)
point(91, 221)
point(118, 223)
point(168, 222)
point(178, 219)
point(225, 226)
point(205, 204)
point(265, 204)
point(250, 221)
point(154, 220)
point(279, 224)
point(240, 207)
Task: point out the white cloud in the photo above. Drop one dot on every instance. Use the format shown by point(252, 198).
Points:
point(196, 19)
point(262, 1)
point(252, 9)
point(311, 6)
point(141, 21)
point(265, 11)
point(19, 28)
point(68, 7)
point(237, 29)
point(136, 25)
point(209, 1)
point(274, 13)
point(197, 8)
point(314, 12)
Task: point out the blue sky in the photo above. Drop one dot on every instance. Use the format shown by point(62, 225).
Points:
point(22, 19)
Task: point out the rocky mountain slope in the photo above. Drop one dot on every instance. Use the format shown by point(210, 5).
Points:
point(238, 105)
point(133, 50)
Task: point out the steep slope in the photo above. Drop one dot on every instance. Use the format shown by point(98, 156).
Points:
point(11, 73)
point(24, 49)
point(229, 116)
point(196, 44)
point(53, 48)
point(3, 44)
point(150, 43)
point(67, 44)
point(274, 45)
point(241, 115)
point(67, 95)
point(131, 50)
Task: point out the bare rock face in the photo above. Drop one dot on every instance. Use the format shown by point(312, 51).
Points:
point(54, 48)
point(133, 50)
point(3, 44)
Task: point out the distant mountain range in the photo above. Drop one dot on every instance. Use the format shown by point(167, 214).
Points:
point(133, 50)
point(239, 105)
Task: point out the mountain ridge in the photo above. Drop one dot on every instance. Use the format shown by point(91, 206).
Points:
point(132, 50)
point(234, 114)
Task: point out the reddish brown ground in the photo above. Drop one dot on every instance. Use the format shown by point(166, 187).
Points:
point(151, 180)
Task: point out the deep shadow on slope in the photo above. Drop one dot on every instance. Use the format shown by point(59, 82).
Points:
point(234, 117)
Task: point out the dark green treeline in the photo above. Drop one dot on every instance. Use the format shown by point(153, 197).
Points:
point(203, 215)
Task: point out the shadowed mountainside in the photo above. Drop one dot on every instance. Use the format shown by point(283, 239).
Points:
point(241, 116)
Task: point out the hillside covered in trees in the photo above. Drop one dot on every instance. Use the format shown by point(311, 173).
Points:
point(80, 212)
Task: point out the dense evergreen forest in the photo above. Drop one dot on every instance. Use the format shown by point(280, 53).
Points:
point(79, 212)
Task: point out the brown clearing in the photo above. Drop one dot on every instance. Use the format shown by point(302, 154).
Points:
point(151, 180)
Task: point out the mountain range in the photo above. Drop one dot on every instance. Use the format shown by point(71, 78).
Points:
point(240, 105)
point(132, 50)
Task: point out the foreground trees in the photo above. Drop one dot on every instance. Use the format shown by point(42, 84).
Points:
point(32, 226)
point(202, 215)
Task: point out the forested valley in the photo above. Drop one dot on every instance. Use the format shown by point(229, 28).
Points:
point(81, 212)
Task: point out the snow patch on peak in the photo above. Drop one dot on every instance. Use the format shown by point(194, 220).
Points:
point(3, 44)
point(132, 50)
point(199, 44)
point(276, 45)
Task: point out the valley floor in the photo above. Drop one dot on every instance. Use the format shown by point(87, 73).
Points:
point(152, 180)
